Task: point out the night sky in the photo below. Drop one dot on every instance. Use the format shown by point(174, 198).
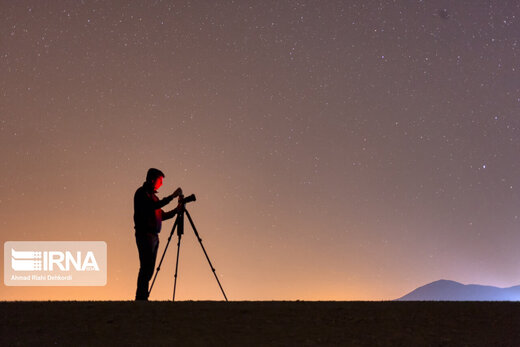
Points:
point(339, 150)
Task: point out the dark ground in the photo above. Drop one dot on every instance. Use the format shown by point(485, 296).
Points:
point(260, 323)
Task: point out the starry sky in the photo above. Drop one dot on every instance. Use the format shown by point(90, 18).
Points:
point(339, 150)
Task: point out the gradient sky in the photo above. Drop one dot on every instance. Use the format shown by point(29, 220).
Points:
point(339, 150)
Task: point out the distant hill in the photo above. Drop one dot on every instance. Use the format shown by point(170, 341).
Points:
point(444, 290)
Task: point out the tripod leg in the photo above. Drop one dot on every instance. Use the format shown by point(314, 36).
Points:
point(206, 254)
point(176, 266)
point(162, 258)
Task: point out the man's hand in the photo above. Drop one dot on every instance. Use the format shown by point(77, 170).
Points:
point(177, 192)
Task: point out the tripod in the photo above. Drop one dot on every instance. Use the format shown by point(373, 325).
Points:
point(179, 224)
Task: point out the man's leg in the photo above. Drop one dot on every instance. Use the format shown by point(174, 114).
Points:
point(147, 246)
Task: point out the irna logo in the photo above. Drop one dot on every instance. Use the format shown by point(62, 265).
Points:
point(55, 263)
point(51, 260)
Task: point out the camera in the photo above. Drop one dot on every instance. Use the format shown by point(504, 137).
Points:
point(188, 199)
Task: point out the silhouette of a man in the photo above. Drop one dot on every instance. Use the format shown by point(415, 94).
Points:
point(148, 217)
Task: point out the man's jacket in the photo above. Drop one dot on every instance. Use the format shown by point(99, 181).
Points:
point(148, 215)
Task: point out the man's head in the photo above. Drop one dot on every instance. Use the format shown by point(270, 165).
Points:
point(155, 178)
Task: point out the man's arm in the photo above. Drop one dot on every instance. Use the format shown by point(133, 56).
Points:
point(165, 201)
point(170, 214)
point(145, 201)
point(161, 203)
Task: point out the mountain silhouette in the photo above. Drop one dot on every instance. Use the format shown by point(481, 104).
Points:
point(444, 290)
